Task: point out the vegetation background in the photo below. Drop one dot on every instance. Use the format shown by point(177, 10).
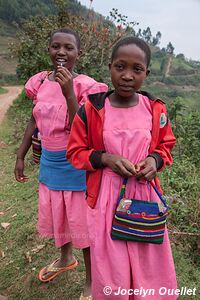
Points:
point(25, 26)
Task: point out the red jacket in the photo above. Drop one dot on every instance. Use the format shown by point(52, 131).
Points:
point(86, 145)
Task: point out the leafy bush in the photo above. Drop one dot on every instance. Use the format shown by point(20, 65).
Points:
point(180, 183)
point(20, 112)
point(97, 40)
point(186, 128)
point(181, 180)
point(9, 79)
point(183, 80)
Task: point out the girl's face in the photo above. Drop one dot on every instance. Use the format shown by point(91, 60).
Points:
point(63, 50)
point(128, 71)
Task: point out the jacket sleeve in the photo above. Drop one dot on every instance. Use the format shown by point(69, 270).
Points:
point(165, 140)
point(78, 151)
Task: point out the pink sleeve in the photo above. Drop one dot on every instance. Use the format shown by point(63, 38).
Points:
point(33, 84)
point(86, 86)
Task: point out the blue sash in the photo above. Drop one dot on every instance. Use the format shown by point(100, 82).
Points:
point(58, 174)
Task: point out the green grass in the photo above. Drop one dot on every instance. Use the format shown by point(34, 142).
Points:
point(7, 61)
point(18, 203)
point(2, 90)
point(7, 29)
point(5, 42)
point(169, 93)
point(155, 66)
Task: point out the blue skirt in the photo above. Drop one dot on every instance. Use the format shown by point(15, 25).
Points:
point(58, 174)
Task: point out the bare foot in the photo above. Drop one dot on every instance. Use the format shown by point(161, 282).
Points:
point(87, 291)
point(57, 267)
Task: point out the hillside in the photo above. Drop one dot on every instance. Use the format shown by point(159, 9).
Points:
point(174, 76)
point(19, 10)
point(171, 75)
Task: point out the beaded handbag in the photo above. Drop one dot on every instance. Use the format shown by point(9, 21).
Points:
point(36, 146)
point(138, 220)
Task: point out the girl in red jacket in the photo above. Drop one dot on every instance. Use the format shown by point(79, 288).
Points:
point(124, 133)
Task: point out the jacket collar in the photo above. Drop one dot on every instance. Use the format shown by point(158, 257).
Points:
point(98, 100)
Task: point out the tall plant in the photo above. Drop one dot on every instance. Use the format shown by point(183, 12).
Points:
point(97, 38)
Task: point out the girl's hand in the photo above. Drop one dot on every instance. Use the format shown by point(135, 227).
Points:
point(65, 79)
point(146, 169)
point(19, 171)
point(118, 164)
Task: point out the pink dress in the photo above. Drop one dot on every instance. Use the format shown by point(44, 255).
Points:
point(121, 264)
point(62, 213)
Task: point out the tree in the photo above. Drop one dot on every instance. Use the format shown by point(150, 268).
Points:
point(156, 39)
point(181, 56)
point(170, 48)
point(147, 35)
point(97, 40)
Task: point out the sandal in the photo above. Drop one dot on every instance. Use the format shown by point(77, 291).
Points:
point(55, 270)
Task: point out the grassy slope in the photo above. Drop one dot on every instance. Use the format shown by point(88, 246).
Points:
point(2, 90)
point(7, 63)
point(19, 205)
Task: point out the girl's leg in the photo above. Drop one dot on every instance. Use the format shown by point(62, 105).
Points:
point(87, 288)
point(53, 223)
point(66, 254)
point(66, 258)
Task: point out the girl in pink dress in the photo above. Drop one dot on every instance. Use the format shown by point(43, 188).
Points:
point(57, 96)
point(124, 133)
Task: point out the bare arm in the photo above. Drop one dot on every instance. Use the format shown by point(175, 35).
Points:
point(65, 79)
point(23, 149)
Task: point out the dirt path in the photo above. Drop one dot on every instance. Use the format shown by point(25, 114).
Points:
point(7, 99)
point(168, 66)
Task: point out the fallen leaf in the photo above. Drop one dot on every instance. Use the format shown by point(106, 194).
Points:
point(3, 145)
point(2, 254)
point(28, 257)
point(1, 213)
point(5, 225)
point(9, 208)
point(10, 262)
point(38, 248)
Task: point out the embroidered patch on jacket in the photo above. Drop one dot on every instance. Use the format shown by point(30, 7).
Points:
point(163, 120)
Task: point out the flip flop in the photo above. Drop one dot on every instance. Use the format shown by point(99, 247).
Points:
point(56, 270)
point(85, 297)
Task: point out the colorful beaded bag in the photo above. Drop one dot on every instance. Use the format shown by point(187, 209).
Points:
point(138, 220)
point(36, 146)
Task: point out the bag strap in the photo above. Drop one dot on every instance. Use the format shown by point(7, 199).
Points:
point(123, 189)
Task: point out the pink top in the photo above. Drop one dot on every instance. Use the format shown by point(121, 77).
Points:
point(50, 110)
point(130, 129)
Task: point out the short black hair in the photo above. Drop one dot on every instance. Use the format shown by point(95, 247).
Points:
point(132, 40)
point(68, 31)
